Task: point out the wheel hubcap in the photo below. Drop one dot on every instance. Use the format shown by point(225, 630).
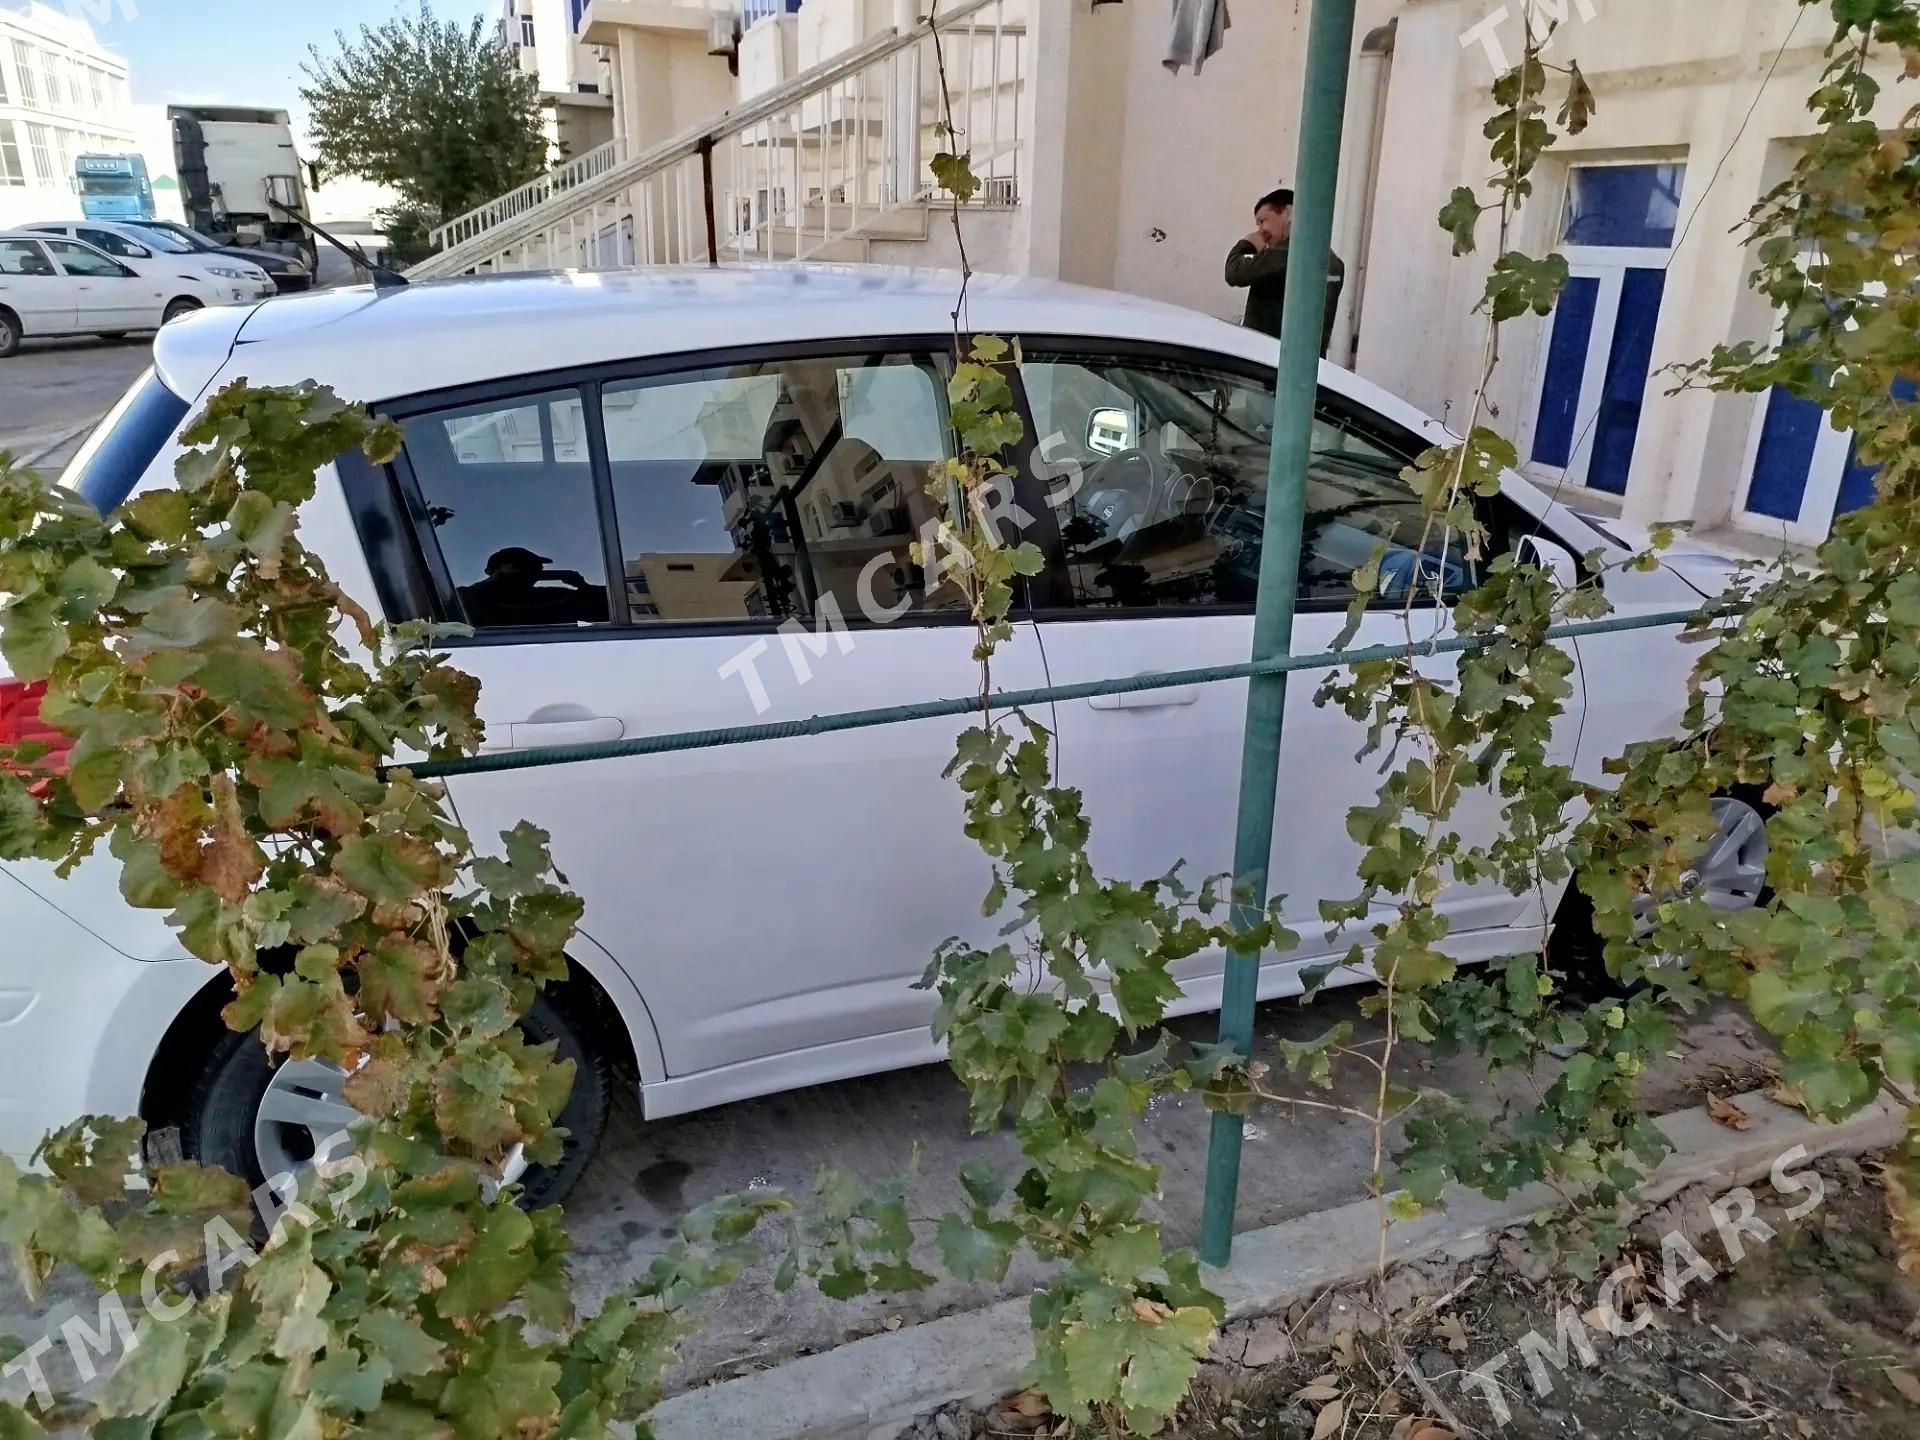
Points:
point(1731, 872)
point(304, 1115)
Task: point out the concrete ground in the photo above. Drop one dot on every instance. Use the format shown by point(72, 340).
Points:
point(646, 1176)
point(54, 391)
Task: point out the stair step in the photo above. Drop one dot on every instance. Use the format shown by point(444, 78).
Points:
point(894, 222)
point(814, 245)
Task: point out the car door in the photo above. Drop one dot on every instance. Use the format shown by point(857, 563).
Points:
point(1155, 568)
point(706, 544)
point(35, 289)
point(107, 294)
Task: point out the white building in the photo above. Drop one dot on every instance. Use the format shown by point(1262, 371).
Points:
point(811, 123)
point(572, 74)
point(61, 96)
point(1701, 110)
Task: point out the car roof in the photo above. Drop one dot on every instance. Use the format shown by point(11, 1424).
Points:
point(380, 344)
point(29, 232)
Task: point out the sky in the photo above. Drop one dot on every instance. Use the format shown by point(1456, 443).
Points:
point(237, 52)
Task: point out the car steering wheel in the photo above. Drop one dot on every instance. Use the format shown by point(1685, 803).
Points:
point(1131, 469)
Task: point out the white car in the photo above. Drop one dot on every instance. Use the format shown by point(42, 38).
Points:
point(50, 285)
point(628, 483)
point(217, 279)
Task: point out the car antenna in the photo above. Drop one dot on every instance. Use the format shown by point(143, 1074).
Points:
point(384, 277)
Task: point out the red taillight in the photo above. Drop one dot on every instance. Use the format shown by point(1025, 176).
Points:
point(20, 722)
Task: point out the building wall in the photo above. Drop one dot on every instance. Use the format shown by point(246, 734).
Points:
point(1672, 83)
point(1157, 172)
point(71, 99)
point(664, 78)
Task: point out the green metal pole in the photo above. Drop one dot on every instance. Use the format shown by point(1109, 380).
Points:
point(1322, 107)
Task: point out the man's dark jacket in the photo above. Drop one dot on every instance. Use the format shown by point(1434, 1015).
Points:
point(1263, 275)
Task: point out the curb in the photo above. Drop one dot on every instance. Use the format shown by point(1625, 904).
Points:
point(876, 1386)
point(65, 440)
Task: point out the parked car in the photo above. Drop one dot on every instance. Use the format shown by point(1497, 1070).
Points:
point(630, 500)
point(217, 279)
point(289, 273)
point(51, 285)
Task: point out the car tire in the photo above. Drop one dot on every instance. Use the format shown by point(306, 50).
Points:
point(1576, 949)
point(223, 1113)
point(182, 305)
point(10, 333)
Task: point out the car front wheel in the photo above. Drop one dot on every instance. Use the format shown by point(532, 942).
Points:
point(184, 305)
point(1729, 874)
point(256, 1118)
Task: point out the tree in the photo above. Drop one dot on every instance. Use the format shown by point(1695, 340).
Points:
point(435, 108)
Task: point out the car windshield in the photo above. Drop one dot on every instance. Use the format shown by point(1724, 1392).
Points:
point(181, 239)
point(159, 240)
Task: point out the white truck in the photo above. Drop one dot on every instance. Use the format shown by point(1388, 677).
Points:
point(239, 176)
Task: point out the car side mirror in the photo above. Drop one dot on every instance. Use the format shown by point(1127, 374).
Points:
point(1109, 431)
point(1552, 557)
point(139, 252)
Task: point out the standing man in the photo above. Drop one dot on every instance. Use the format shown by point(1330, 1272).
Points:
point(1258, 265)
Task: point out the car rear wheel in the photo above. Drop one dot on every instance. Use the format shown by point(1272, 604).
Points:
point(184, 305)
point(9, 334)
point(256, 1119)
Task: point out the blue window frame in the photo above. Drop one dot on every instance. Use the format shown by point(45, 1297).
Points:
point(1566, 359)
point(1624, 205)
point(1629, 361)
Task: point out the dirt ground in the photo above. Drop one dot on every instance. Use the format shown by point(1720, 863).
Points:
point(1814, 1333)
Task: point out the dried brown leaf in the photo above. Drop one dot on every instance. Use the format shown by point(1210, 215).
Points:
point(1782, 1093)
point(1725, 1112)
point(1030, 1403)
point(1906, 1382)
point(1451, 1333)
point(1330, 1420)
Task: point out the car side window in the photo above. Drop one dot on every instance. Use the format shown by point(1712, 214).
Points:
point(751, 492)
point(1167, 510)
point(778, 488)
point(508, 497)
point(105, 240)
point(25, 258)
point(77, 259)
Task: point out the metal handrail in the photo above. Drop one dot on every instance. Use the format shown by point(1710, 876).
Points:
point(820, 80)
point(567, 176)
point(542, 756)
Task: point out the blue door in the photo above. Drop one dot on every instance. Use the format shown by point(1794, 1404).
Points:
point(1617, 236)
point(1804, 473)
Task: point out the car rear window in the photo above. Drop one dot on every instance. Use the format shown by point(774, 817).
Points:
point(118, 453)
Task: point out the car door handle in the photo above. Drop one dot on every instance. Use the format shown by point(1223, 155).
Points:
point(584, 730)
point(1146, 699)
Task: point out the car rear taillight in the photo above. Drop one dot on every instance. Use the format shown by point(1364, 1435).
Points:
point(20, 723)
